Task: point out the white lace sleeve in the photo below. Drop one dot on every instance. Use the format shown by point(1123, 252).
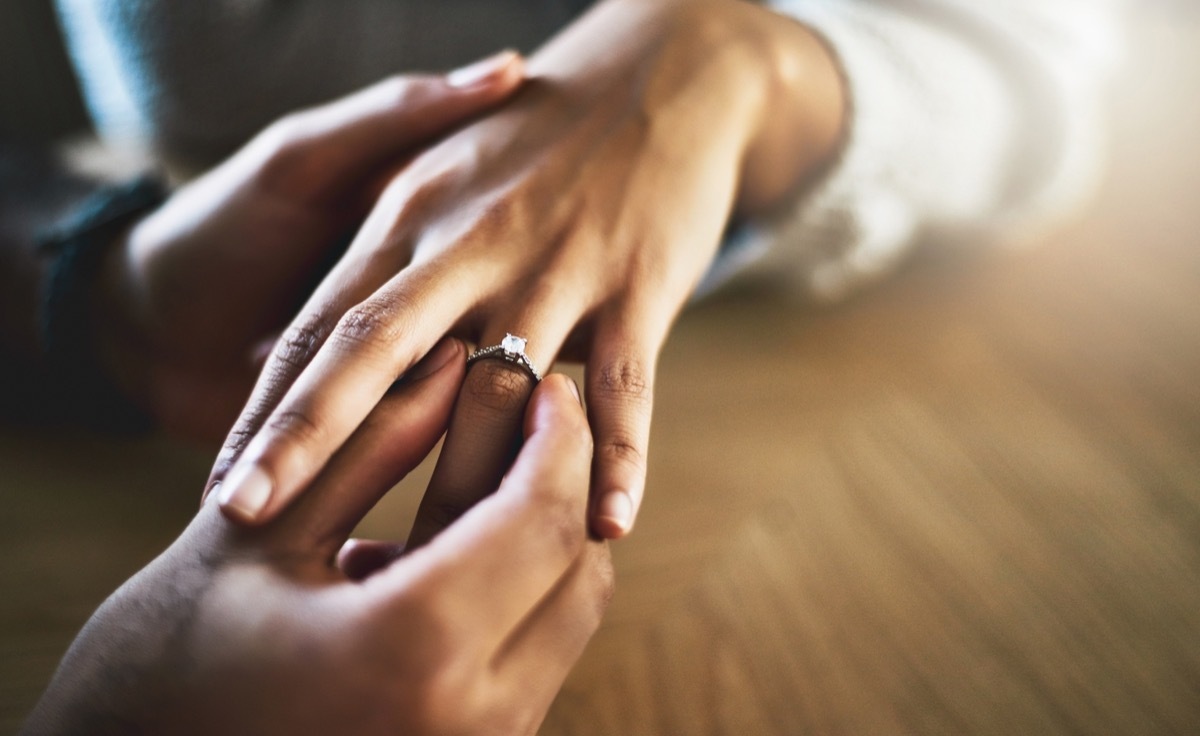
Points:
point(966, 118)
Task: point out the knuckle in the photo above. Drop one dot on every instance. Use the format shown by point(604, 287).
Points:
point(235, 444)
point(418, 191)
point(375, 324)
point(622, 448)
point(249, 423)
point(624, 379)
point(502, 214)
point(294, 425)
point(284, 133)
point(283, 148)
point(362, 324)
point(300, 342)
point(497, 386)
point(405, 94)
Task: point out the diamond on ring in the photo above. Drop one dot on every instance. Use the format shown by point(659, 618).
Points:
point(513, 345)
point(511, 350)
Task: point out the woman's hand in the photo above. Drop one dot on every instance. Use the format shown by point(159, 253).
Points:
point(193, 297)
point(273, 631)
point(581, 217)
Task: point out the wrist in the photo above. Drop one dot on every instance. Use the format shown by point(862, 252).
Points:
point(800, 127)
point(772, 86)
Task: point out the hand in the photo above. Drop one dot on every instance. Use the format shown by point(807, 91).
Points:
point(193, 297)
point(272, 631)
point(580, 216)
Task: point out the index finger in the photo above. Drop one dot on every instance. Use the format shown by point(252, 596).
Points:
point(395, 437)
point(374, 342)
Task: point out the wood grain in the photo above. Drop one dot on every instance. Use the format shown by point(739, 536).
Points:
point(966, 502)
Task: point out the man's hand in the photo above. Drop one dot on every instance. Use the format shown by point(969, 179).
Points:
point(272, 631)
point(190, 302)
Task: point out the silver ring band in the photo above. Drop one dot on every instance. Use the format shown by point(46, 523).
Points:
point(512, 350)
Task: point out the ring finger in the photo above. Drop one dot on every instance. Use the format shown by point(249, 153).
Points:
point(485, 427)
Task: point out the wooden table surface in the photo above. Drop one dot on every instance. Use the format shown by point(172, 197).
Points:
point(965, 502)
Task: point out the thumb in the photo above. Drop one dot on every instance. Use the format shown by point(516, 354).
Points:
point(318, 153)
point(359, 559)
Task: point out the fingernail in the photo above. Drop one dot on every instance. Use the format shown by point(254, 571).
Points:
point(435, 359)
point(617, 508)
point(575, 390)
point(246, 491)
point(481, 71)
point(214, 492)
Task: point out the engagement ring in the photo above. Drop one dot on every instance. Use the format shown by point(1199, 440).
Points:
point(510, 349)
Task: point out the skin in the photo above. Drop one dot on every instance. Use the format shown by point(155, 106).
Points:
point(580, 216)
point(192, 298)
point(276, 631)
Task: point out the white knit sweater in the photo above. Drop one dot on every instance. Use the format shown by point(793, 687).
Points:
point(967, 117)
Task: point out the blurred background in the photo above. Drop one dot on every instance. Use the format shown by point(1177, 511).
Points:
point(965, 501)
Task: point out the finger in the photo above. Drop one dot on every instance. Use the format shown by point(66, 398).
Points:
point(537, 657)
point(620, 380)
point(503, 556)
point(359, 559)
point(324, 401)
point(485, 427)
point(354, 130)
point(323, 152)
point(400, 431)
point(366, 268)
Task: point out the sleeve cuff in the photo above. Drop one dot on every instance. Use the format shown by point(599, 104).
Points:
point(937, 125)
